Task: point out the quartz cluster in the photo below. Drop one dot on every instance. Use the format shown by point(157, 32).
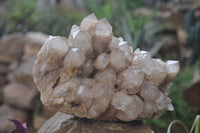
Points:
point(96, 75)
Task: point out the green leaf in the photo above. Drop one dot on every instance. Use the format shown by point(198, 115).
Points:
point(157, 46)
point(139, 36)
point(177, 126)
point(126, 31)
point(196, 124)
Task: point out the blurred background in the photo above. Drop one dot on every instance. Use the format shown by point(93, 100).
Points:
point(168, 29)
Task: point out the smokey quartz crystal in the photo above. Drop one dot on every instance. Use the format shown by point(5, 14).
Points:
point(96, 75)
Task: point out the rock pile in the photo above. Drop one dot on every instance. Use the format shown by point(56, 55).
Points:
point(18, 94)
point(96, 75)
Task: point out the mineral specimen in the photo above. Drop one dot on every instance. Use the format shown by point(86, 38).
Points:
point(95, 75)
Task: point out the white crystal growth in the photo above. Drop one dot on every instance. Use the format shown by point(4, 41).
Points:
point(96, 75)
point(131, 79)
point(172, 67)
point(102, 61)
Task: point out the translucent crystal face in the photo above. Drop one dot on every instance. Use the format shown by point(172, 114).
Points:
point(102, 61)
point(96, 75)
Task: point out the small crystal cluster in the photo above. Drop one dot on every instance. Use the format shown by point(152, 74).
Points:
point(96, 75)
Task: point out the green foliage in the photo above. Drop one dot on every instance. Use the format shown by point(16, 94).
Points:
point(196, 124)
point(175, 125)
point(24, 15)
point(152, 40)
point(120, 15)
point(139, 36)
point(19, 15)
point(192, 26)
point(101, 10)
point(132, 28)
point(190, 20)
point(56, 22)
point(193, 38)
